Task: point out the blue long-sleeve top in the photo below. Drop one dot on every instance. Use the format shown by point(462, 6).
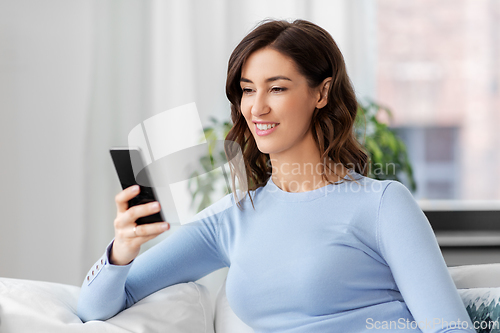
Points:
point(346, 257)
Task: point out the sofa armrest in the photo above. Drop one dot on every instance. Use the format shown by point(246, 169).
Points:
point(476, 276)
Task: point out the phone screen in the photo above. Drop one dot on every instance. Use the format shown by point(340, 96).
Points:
point(123, 159)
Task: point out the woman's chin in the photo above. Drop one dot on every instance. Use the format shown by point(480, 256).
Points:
point(265, 149)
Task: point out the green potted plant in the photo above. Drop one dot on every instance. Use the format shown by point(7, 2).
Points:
point(388, 158)
point(387, 152)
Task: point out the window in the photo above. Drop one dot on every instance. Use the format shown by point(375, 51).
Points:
point(438, 70)
point(434, 152)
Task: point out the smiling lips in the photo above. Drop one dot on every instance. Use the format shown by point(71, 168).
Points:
point(264, 126)
point(265, 129)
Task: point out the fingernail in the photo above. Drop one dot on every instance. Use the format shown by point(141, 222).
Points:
point(135, 188)
point(165, 226)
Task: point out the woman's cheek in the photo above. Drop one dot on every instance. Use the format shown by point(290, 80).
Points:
point(244, 106)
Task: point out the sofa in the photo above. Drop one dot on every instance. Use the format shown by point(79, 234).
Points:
point(37, 306)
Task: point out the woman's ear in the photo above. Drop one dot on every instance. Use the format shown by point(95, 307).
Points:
point(324, 87)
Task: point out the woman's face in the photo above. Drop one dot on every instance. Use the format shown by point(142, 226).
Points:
point(274, 92)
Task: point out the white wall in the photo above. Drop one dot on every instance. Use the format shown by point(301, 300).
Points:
point(44, 85)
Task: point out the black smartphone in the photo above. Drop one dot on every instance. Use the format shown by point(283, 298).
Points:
point(126, 160)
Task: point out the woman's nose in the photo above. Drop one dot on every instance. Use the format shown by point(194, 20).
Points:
point(260, 105)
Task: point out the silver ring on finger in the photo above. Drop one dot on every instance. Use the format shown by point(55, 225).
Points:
point(135, 231)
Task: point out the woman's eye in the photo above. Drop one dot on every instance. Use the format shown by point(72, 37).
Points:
point(246, 90)
point(278, 89)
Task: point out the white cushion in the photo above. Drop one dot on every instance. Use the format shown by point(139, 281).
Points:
point(36, 306)
point(226, 320)
point(476, 276)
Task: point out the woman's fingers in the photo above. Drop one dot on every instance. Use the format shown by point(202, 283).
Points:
point(135, 212)
point(127, 218)
point(128, 235)
point(150, 229)
point(124, 196)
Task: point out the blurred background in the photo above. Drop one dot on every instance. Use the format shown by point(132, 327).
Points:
point(77, 76)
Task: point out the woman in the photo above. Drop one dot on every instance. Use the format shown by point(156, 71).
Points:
point(321, 248)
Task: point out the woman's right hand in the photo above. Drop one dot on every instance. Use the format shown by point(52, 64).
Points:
point(128, 235)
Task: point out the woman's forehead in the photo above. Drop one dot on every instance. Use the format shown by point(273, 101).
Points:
point(267, 63)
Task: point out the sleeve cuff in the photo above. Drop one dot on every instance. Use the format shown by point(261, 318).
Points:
point(103, 263)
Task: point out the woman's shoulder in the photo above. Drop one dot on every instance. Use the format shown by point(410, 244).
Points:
point(376, 190)
point(227, 202)
point(214, 210)
point(359, 182)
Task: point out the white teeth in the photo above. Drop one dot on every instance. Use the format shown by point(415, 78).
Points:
point(265, 127)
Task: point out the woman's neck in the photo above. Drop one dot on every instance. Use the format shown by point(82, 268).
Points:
point(302, 174)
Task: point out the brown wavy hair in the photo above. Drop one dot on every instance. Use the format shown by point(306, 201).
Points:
point(317, 57)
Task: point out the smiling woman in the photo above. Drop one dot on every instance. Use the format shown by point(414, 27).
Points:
point(297, 71)
point(324, 249)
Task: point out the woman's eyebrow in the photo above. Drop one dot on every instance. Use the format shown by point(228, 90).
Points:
point(274, 78)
